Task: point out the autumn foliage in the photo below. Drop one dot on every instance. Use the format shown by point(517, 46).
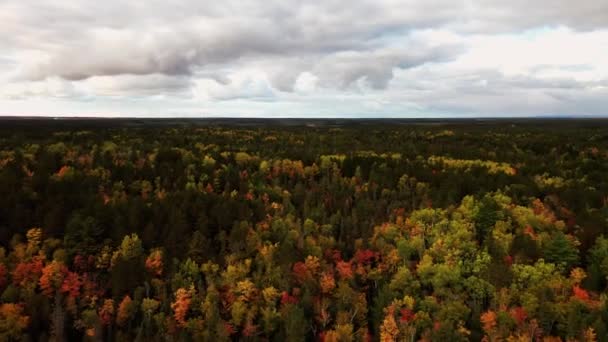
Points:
point(374, 233)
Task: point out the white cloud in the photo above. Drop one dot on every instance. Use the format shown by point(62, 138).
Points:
point(384, 57)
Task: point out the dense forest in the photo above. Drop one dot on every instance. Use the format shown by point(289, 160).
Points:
point(312, 232)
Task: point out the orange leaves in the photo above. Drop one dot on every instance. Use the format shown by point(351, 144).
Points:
point(181, 305)
point(55, 276)
point(52, 278)
point(578, 274)
point(106, 312)
point(541, 209)
point(488, 321)
point(327, 283)
point(154, 263)
point(12, 320)
point(329, 336)
point(126, 309)
point(589, 335)
point(345, 269)
point(389, 329)
point(64, 171)
point(304, 271)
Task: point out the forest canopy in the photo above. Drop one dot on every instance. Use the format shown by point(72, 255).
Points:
point(449, 232)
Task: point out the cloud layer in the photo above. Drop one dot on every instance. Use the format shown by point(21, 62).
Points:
point(370, 58)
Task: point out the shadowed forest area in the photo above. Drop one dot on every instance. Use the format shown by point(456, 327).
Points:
point(303, 230)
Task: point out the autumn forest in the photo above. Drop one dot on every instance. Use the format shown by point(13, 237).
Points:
point(436, 231)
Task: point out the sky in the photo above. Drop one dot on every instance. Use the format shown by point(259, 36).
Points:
point(242, 58)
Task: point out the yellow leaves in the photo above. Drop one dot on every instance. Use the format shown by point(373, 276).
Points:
point(242, 158)
point(392, 259)
point(270, 317)
point(313, 264)
point(344, 332)
point(208, 161)
point(264, 167)
point(270, 295)
point(578, 274)
point(104, 258)
point(149, 306)
point(326, 161)
point(34, 239)
point(545, 181)
point(238, 311)
point(467, 164)
point(462, 330)
point(267, 251)
point(409, 302)
point(246, 290)
point(519, 338)
point(130, 247)
point(425, 265)
point(236, 271)
point(210, 268)
point(503, 238)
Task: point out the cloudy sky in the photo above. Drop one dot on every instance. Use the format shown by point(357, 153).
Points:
point(328, 58)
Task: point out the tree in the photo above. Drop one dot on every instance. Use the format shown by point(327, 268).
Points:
point(12, 321)
point(561, 251)
point(181, 305)
point(485, 219)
